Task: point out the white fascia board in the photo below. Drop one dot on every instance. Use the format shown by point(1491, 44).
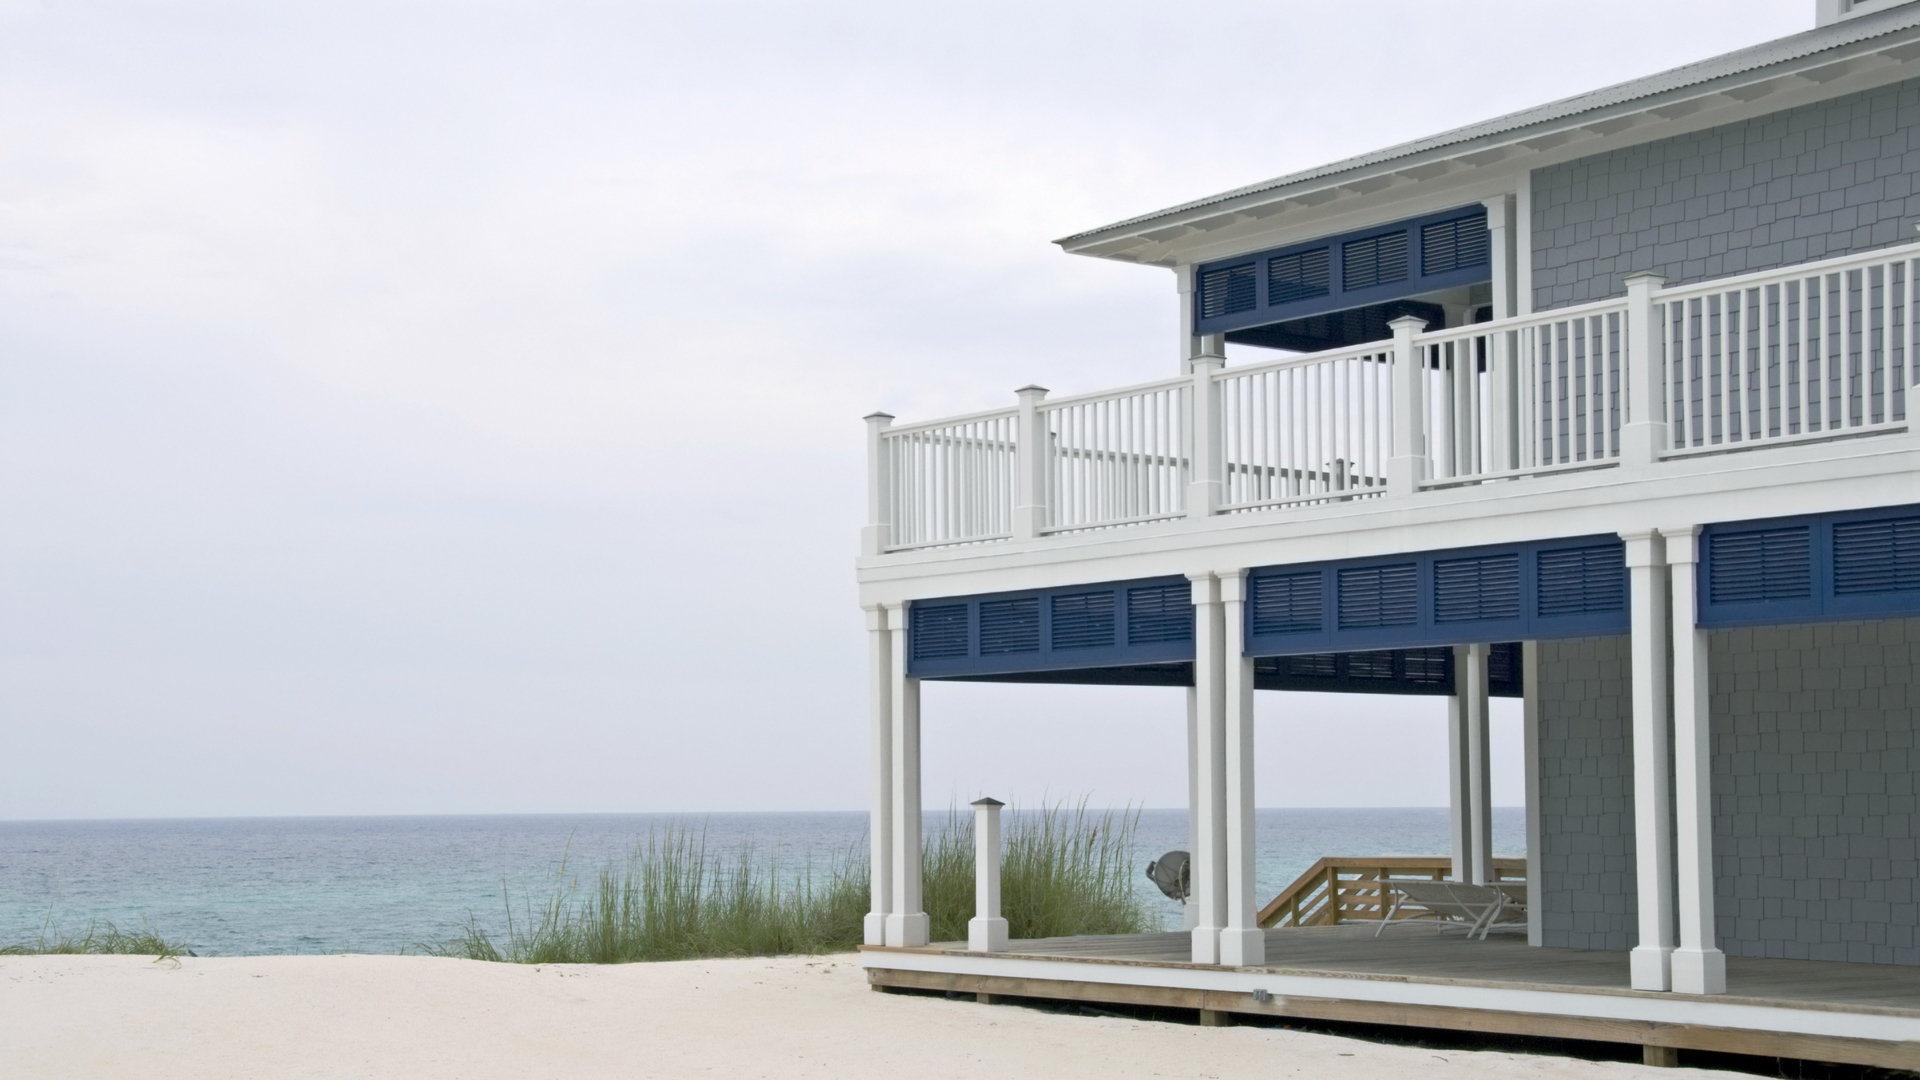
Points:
point(1664, 1008)
point(1822, 478)
point(1310, 208)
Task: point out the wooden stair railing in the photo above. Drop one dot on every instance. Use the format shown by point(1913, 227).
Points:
point(1337, 889)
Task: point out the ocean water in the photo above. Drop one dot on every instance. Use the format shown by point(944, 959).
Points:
point(248, 886)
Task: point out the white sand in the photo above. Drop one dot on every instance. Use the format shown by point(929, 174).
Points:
point(423, 1017)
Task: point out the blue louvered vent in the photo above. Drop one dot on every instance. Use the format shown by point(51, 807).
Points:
point(1373, 596)
point(1370, 665)
point(1083, 620)
point(1876, 556)
point(1771, 564)
point(1377, 260)
point(1474, 590)
point(1433, 667)
point(1583, 580)
point(1010, 626)
point(1312, 666)
point(1227, 291)
point(1158, 613)
point(1288, 604)
point(939, 632)
point(1300, 276)
point(1455, 245)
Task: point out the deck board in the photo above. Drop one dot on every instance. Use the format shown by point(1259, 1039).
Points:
point(1426, 951)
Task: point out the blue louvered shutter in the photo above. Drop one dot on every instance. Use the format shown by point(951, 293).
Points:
point(1377, 260)
point(1582, 581)
point(1454, 245)
point(1084, 620)
point(1227, 291)
point(1009, 627)
point(1475, 590)
point(939, 631)
point(1159, 613)
point(1288, 604)
point(1768, 564)
point(1379, 596)
point(1303, 275)
point(1428, 667)
point(1876, 556)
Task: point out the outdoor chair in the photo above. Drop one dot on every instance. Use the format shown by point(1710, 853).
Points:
point(1478, 906)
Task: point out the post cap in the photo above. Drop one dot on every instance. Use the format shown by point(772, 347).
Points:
point(875, 417)
point(988, 801)
point(1648, 276)
point(1416, 322)
point(1031, 389)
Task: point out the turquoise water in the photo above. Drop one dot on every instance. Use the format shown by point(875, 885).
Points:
point(243, 886)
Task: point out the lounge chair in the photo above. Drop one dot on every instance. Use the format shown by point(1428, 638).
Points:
point(1454, 901)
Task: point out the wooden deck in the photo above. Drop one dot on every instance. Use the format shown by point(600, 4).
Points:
point(1420, 974)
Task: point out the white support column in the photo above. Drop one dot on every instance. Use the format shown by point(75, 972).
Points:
point(878, 533)
point(1652, 791)
point(1643, 436)
point(1192, 345)
point(1468, 762)
point(907, 922)
point(880, 793)
point(1242, 942)
point(1536, 834)
point(1031, 465)
point(1523, 247)
point(1190, 910)
point(1699, 967)
point(1210, 763)
point(986, 931)
point(1408, 465)
point(1500, 232)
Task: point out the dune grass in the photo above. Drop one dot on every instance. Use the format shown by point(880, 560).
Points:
point(1063, 872)
point(93, 941)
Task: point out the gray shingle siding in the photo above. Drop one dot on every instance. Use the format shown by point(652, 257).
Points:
point(1808, 183)
point(1815, 811)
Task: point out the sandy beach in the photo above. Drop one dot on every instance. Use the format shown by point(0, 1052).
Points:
point(425, 1017)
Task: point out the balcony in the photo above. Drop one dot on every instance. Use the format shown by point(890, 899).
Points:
point(1811, 353)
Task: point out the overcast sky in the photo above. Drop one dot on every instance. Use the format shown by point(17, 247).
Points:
point(450, 408)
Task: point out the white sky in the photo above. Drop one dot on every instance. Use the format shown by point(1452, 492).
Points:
point(440, 408)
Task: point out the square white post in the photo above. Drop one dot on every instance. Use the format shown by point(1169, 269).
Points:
point(1408, 465)
point(1536, 832)
point(1699, 967)
point(1643, 435)
point(1206, 478)
point(880, 793)
point(1471, 694)
point(1242, 942)
point(1032, 465)
point(1190, 911)
point(986, 931)
point(878, 533)
point(1652, 791)
point(907, 923)
point(1500, 234)
point(1208, 899)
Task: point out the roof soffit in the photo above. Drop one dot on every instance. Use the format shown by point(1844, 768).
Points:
point(1483, 159)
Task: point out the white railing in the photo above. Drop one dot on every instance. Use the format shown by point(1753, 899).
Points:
point(1527, 395)
point(951, 482)
point(1117, 458)
point(1810, 352)
point(1306, 429)
point(1790, 355)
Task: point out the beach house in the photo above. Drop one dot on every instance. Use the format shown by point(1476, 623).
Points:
point(1602, 405)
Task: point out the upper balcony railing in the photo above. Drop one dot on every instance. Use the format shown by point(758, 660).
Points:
point(1809, 352)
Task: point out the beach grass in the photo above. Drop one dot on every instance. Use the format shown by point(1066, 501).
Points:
point(94, 941)
point(1064, 871)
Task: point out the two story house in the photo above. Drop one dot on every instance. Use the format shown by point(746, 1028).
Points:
point(1602, 405)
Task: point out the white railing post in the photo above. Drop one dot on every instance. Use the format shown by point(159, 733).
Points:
point(1206, 484)
point(986, 931)
point(1408, 465)
point(1032, 465)
point(1644, 434)
point(878, 533)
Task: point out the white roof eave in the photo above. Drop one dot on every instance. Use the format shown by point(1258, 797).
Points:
point(1823, 53)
